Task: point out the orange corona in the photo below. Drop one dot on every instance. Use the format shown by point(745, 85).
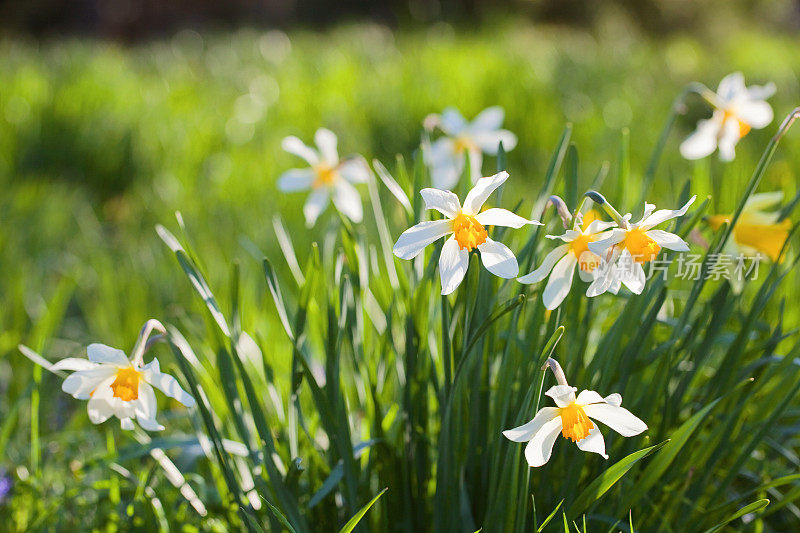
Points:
point(469, 233)
point(575, 425)
point(126, 385)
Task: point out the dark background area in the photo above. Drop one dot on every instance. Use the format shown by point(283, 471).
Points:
point(131, 20)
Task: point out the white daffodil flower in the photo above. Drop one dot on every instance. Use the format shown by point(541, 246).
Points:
point(758, 234)
point(466, 223)
point(737, 109)
point(116, 386)
point(560, 263)
point(573, 418)
point(632, 245)
point(483, 135)
point(327, 177)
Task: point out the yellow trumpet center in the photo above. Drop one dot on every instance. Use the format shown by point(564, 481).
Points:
point(461, 144)
point(575, 425)
point(579, 247)
point(469, 233)
point(641, 246)
point(744, 127)
point(126, 384)
point(326, 175)
point(766, 238)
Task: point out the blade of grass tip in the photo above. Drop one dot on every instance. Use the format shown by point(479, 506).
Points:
point(571, 179)
point(277, 297)
point(602, 483)
point(393, 186)
point(353, 522)
point(285, 243)
point(788, 208)
point(501, 166)
point(279, 515)
point(158, 508)
point(624, 169)
point(754, 507)
point(549, 517)
point(383, 226)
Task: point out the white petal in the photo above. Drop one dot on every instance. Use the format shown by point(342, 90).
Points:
point(489, 141)
point(728, 139)
point(166, 383)
point(416, 238)
point(81, 384)
point(355, 171)
point(597, 226)
point(481, 191)
point(617, 418)
point(563, 395)
point(445, 163)
point(761, 92)
point(668, 240)
point(99, 407)
point(538, 450)
point(100, 353)
point(630, 273)
point(476, 165)
point(452, 121)
point(73, 363)
point(146, 408)
point(489, 119)
point(763, 200)
point(126, 424)
point(296, 179)
point(703, 141)
point(497, 216)
point(585, 397)
point(348, 201)
point(547, 265)
point(295, 146)
point(525, 432)
point(756, 114)
point(662, 215)
point(614, 399)
point(498, 259)
point(326, 141)
point(445, 202)
point(593, 443)
point(600, 247)
point(731, 86)
point(453, 263)
point(560, 282)
point(315, 204)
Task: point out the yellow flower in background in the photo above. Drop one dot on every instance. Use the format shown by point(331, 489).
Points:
point(737, 109)
point(467, 224)
point(573, 417)
point(757, 231)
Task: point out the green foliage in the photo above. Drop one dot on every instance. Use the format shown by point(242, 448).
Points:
point(320, 387)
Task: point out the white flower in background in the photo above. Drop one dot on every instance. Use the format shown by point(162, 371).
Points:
point(466, 223)
point(630, 246)
point(572, 417)
point(758, 234)
point(327, 177)
point(116, 386)
point(737, 109)
point(447, 155)
point(560, 263)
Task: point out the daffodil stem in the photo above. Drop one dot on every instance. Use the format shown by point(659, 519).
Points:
point(600, 200)
point(143, 343)
point(557, 371)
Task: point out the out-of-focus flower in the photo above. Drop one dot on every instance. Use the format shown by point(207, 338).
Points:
point(758, 233)
point(327, 177)
point(737, 109)
point(116, 386)
point(572, 417)
point(5, 485)
point(466, 223)
point(560, 263)
point(630, 246)
point(483, 135)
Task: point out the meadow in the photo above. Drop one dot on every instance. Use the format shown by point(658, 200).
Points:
point(355, 375)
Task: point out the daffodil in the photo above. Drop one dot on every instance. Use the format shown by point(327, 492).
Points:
point(630, 246)
point(483, 135)
point(327, 177)
point(117, 386)
point(560, 263)
point(758, 233)
point(573, 417)
point(737, 109)
point(467, 224)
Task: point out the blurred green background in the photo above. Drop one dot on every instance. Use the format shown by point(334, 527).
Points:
point(102, 139)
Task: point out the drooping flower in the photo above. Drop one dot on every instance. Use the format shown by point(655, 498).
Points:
point(737, 109)
point(758, 234)
point(327, 177)
point(560, 263)
point(574, 418)
point(116, 386)
point(630, 246)
point(447, 155)
point(467, 224)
